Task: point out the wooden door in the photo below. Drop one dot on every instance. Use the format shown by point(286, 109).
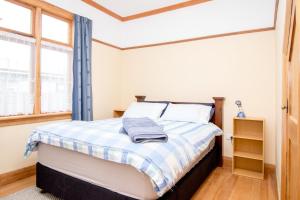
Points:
point(292, 114)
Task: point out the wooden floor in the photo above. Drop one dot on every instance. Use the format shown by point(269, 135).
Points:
point(15, 187)
point(221, 185)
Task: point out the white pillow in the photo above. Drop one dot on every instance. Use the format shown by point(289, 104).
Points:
point(187, 113)
point(143, 109)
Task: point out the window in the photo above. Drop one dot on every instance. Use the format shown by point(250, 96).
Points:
point(35, 61)
point(15, 17)
point(16, 74)
point(55, 78)
point(61, 27)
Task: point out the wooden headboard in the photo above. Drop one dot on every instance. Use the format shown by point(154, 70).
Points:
point(216, 119)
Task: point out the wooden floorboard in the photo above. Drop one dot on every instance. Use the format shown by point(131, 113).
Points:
point(17, 186)
point(223, 185)
point(220, 185)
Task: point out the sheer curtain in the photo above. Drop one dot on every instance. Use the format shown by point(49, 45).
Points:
point(56, 78)
point(16, 74)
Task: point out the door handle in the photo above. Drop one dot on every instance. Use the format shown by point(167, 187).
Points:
point(286, 108)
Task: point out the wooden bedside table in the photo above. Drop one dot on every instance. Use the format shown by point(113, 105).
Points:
point(248, 147)
point(118, 112)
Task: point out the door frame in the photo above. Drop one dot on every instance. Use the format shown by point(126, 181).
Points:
point(285, 62)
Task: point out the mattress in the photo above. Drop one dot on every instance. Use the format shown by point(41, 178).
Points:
point(120, 178)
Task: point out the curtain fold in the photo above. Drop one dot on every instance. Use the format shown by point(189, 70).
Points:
point(82, 105)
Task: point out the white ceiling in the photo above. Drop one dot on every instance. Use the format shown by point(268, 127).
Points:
point(130, 7)
point(210, 18)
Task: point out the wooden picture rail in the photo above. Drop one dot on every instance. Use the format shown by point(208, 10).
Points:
point(189, 3)
point(146, 13)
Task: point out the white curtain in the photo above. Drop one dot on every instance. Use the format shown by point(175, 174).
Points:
point(16, 74)
point(56, 78)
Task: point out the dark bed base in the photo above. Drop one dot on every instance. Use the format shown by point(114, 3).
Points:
point(70, 188)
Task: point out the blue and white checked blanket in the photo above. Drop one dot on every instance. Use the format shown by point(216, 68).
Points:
point(162, 162)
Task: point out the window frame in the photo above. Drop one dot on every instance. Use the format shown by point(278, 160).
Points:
point(38, 8)
point(70, 33)
point(32, 20)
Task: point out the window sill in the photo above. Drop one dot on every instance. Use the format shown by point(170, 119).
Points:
point(31, 119)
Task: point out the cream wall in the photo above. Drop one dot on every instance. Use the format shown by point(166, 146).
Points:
point(12, 146)
point(106, 82)
point(236, 67)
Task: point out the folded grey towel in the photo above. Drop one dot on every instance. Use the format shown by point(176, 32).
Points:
point(142, 130)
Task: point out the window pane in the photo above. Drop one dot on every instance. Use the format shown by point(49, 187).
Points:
point(16, 77)
point(55, 80)
point(55, 29)
point(15, 17)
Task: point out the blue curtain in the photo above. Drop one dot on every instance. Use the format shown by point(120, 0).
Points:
point(82, 102)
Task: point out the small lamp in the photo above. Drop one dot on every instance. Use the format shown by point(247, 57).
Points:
point(241, 113)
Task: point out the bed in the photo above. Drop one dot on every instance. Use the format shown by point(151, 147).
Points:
point(74, 175)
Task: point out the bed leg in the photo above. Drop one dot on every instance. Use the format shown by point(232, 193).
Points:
point(43, 191)
point(219, 143)
point(220, 164)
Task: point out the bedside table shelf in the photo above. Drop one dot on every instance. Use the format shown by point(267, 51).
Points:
point(255, 156)
point(248, 173)
point(248, 137)
point(248, 147)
